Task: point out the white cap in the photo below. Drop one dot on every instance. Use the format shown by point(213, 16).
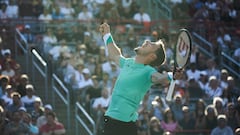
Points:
point(86, 71)
point(22, 109)
point(203, 73)
point(48, 106)
point(27, 26)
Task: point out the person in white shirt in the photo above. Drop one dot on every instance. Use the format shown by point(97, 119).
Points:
point(7, 97)
point(56, 51)
point(193, 72)
point(85, 15)
point(12, 9)
point(142, 16)
point(46, 17)
point(30, 98)
point(100, 105)
point(213, 88)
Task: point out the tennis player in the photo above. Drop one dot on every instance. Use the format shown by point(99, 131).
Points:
point(136, 77)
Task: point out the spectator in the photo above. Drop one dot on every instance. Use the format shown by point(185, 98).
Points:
point(56, 51)
point(211, 117)
point(56, 14)
point(213, 89)
point(8, 71)
point(157, 108)
point(223, 79)
point(15, 105)
point(24, 8)
point(212, 69)
point(33, 130)
point(30, 97)
point(233, 89)
point(3, 12)
point(7, 97)
point(3, 120)
point(42, 120)
point(155, 126)
point(218, 104)
point(194, 89)
point(52, 126)
point(38, 109)
point(16, 126)
point(100, 106)
point(199, 115)
point(28, 35)
point(4, 81)
point(37, 8)
point(143, 19)
point(49, 39)
point(222, 127)
point(85, 15)
point(21, 87)
point(46, 17)
point(192, 72)
point(169, 122)
point(187, 122)
point(176, 107)
point(93, 92)
point(67, 11)
point(12, 9)
point(233, 119)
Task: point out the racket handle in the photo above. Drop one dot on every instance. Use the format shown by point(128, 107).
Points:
point(170, 91)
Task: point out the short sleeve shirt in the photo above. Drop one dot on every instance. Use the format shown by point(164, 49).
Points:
point(130, 87)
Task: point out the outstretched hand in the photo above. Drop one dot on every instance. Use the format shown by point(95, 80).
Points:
point(104, 29)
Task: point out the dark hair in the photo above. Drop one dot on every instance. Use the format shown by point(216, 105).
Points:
point(160, 53)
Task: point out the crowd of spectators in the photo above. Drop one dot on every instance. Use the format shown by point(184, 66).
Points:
point(206, 99)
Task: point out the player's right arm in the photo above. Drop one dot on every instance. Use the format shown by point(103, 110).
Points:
point(114, 52)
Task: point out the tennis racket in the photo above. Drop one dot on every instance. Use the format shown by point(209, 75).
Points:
point(182, 53)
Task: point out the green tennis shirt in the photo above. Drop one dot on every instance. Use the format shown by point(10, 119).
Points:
point(130, 87)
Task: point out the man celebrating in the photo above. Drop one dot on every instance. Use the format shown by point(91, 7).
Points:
point(136, 77)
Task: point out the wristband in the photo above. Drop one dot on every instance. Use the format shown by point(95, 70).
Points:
point(107, 38)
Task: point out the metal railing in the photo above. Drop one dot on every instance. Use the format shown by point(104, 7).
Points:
point(89, 129)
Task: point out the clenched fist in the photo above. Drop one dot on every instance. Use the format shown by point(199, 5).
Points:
point(104, 28)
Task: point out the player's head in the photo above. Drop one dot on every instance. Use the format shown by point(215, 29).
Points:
point(153, 51)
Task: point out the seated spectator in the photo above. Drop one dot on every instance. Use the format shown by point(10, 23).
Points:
point(15, 105)
point(3, 120)
point(29, 36)
point(67, 11)
point(12, 9)
point(212, 69)
point(42, 120)
point(187, 122)
point(85, 15)
point(233, 89)
point(176, 107)
point(211, 117)
point(16, 125)
point(169, 123)
point(233, 119)
point(7, 97)
point(155, 126)
point(213, 89)
point(57, 15)
point(8, 71)
point(193, 72)
point(3, 12)
point(157, 108)
point(143, 19)
point(46, 17)
point(222, 127)
point(30, 97)
point(24, 8)
point(4, 81)
point(37, 8)
point(199, 114)
point(218, 104)
point(38, 109)
point(49, 39)
point(100, 106)
point(33, 129)
point(21, 87)
point(52, 126)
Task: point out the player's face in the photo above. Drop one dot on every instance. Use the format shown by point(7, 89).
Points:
point(146, 48)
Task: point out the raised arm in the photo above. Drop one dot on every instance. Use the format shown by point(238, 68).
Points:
point(114, 51)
